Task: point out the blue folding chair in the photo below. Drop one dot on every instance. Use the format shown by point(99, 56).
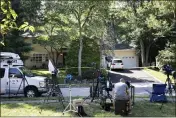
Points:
point(158, 93)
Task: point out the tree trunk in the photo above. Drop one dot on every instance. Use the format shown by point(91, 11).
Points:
point(142, 52)
point(57, 56)
point(147, 53)
point(80, 56)
point(100, 53)
point(147, 56)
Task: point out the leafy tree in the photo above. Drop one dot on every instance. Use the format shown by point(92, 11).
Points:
point(54, 45)
point(82, 13)
point(27, 10)
point(144, 26)
point(8, 20)
point(53, 31)
point(167, 56)
point(15, 43)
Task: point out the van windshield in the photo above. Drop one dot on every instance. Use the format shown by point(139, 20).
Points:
point(27, 72)
point(117, 61)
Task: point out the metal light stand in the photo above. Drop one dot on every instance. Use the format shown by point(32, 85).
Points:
point(70, 105)
point(132, 94)
point(9, 63)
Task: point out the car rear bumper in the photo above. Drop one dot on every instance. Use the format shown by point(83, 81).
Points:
point(116, 67)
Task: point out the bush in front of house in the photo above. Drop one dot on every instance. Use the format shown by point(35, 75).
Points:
point(167, 56)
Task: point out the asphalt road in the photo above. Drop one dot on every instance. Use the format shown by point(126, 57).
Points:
point(139, 79)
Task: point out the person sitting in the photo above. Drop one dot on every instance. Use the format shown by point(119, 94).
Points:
point(121, 97)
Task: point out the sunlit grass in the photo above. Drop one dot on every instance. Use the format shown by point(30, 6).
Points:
point(46, 73)
point(141, 109)
point(159, 75)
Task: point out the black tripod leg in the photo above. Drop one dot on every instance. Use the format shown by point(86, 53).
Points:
point(50, 94)
point(19, 88)
point(60, 99)
point(169, 88)
point(95, 92)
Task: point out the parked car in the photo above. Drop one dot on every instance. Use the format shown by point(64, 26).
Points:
point(116, 64)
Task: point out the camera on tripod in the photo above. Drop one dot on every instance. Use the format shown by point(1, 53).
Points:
point(106, 99)
point(168, 69)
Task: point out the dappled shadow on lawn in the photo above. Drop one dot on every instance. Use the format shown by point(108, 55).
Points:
point(13, 106)
point(141, 109)
point(32, 109)
point(147, 109)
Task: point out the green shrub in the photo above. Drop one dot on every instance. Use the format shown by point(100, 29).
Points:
point(88, 73)
point(167, 56)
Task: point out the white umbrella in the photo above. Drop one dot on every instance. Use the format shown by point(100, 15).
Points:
point(51, 68)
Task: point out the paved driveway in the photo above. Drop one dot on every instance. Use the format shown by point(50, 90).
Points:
point(132, 75)
point(140, 79)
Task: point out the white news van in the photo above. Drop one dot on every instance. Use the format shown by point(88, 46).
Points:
point(16, 79)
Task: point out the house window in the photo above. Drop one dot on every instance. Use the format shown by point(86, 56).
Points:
point(39, 57)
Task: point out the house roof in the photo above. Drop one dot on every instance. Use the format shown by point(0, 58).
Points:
point(122, 46)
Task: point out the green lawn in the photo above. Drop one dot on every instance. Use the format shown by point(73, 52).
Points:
point(159, 75)
point(141, 109)
point(45, 72)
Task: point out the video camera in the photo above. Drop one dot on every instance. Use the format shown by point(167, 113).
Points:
point(106, 99)
point(106, 84)
point(168, 69)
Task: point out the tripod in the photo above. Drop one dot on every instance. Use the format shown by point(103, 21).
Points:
point(168, 81)
point(70, 105)
point(54, 91)
point(22, 81)
point(96, 90)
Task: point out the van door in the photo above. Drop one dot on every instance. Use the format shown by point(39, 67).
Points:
point(3, 81)
point(14, 82)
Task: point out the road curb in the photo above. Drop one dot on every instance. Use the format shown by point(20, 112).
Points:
point(152, 76)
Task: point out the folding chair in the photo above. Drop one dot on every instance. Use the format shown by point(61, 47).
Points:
point(158, 93)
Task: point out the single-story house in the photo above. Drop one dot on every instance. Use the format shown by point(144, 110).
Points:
point(38, 57)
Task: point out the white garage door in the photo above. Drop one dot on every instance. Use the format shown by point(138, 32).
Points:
point(129, 61)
